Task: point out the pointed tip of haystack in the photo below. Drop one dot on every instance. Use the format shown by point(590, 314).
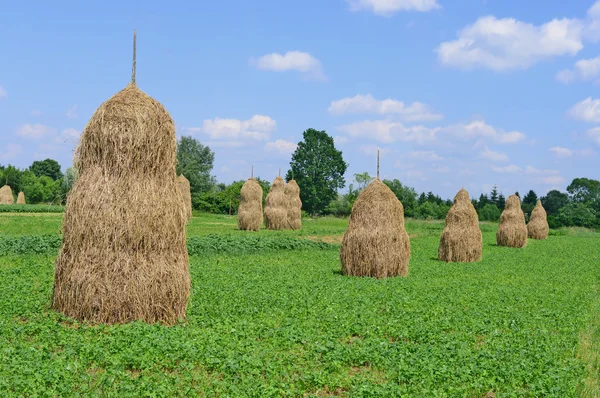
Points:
point(538, 203)
point(462, 195)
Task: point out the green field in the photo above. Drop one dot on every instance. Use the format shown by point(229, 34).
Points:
point(270, 316)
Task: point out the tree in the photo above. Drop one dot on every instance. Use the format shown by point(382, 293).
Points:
point(585, 190)
point(318, 168)
point(489, 212)
point(68, 180)
point(12, 176)
point(554, 201)
point(577, 215)
point(422, 198)
point(48, 167)
point(483, 200)
point(362, 179)
point(405, 194)
point(195, 162)
point(531, 198)
point(501, 202)
point(494, 195)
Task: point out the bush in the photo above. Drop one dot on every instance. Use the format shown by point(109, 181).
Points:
point(489, 212)
point(31, 209)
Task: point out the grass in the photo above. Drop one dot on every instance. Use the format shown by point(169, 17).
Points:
point(269, 318)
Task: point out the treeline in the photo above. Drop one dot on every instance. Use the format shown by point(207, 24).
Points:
point(42, 182)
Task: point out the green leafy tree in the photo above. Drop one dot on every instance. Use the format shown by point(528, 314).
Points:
point(585, 190)
point(422, 198)
point(528, 203)
point(12, 177)
point(48, 167)
point(40, 189)
point(554, 201)
point(501, 202)
point(68, 180)
point(318, 168)
point(363, 179)
point(489, 212)
point(195, 161)
point(577, 215)
point(405, 194)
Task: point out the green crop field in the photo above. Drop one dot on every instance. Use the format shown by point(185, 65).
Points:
point(270, 315)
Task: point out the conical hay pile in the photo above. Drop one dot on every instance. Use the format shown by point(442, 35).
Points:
point(250, 211)
point(538, 225)
point(512, 231)
point(293, 204)
point(184, 189)
point(124, 255)
point(376, 243)
point(21, 199)
point(275, 207)
point(461, 239)
point(6, 196)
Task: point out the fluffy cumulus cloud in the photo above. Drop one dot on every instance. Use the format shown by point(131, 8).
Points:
point(493, 156)
point(299, 61)
point(425, 155)
point(561, 152)
point(584, 70)
point(532, 170)
point(587, 110)
point(3, 93)
point(34, 131)
point(553, 180)
point(390, 7)
point(479, 129)
point(235, 131)
point(506, 43)
point(388, 131)
point(367, 104)
point(281, 146)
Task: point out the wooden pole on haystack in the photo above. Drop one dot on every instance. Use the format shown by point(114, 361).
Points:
point(133, 66)
point(378, 164)
point(253, 171)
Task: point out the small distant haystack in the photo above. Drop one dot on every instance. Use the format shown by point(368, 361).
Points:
point(293, 204)
point(512, 231)
point(184, 189)
point(124, 255)
point(461, 240)
point(21, 199)
point(376, 243)
point(250, 211)
point(6, 196)
point(538, 225)
point(276, 215)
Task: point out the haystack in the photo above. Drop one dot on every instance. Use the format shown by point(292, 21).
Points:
point(376, 243)
point(461, 239)
point(124, 255)
point(293, 204)
point(6, 196)
point(512, 231)
point(250, 211)
point(538, 225)
point(21, 199)
point(276, 215)
point(184, 189)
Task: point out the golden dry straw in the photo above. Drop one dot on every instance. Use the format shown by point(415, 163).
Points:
point(21, 199)
point(538, 224)
point(376, 243)
point(512, 230)
point(124, 255)
point(276, 217)
point(184, 189)
point(250, 211)
point(293, 204)
point(461, 239)
point(6, 196)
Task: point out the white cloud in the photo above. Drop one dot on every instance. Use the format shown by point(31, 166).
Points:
point(553, 180)
point(225, 144)
point(68, 135)
point(507, 169)
point(425, 155)
point(493, 156)
point(299, 61)
point(389, 7)
point(587, 110)
point(340, 139)
point(387, 131)
point(592, 29)
point(34, 131)
point(479, 129)
point(561, 152)
point(594, 134)
point(371, 150)
point(281, 146)
point(257, 128)
point(11, 151)
point(532, 170)
point(416, 111)
point(3, 93)
point(584, 69)
point(506, 43)
point(72, 112)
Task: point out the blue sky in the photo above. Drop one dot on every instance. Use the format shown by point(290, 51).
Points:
point(456, 94)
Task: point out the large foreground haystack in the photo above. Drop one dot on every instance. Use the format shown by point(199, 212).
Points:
point(461, 239)
point(21, 199)
point(6, 196)
point(538, 224)
point(184, 189)
point(124, 255)
point(250, 211)
point(293, 204)
point(376, 243)
point(275, 208)
point(512, 231)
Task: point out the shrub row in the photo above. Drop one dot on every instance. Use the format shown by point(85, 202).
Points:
point(31, 209)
